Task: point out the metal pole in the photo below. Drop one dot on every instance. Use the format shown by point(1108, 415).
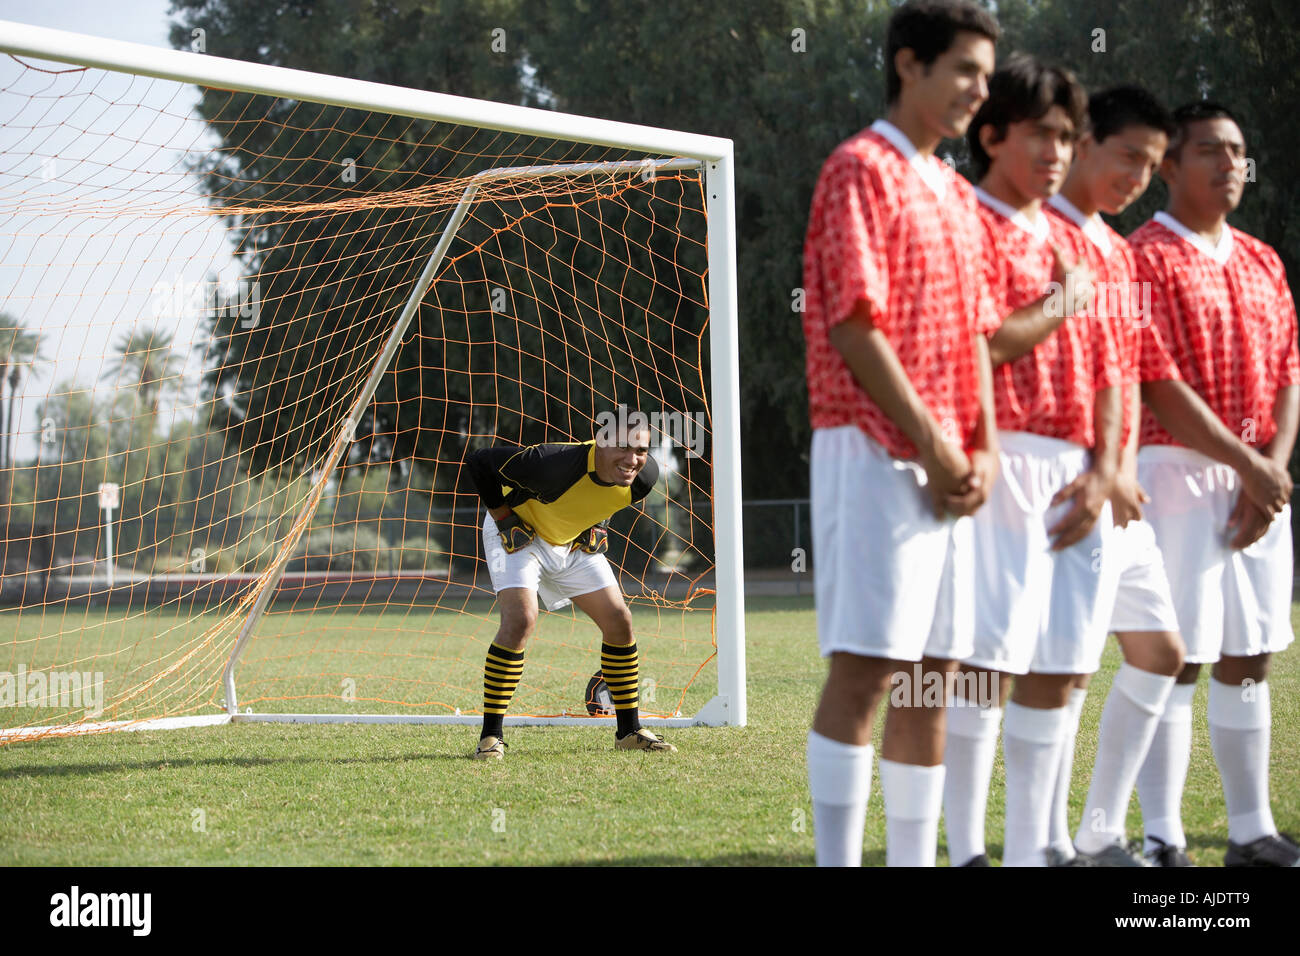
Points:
point(108, 521)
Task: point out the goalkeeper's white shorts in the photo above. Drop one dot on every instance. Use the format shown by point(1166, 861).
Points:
point(1228, 601)
point(1037, 609)
point(892, 581)
point(556, 573)
point(1143, 601)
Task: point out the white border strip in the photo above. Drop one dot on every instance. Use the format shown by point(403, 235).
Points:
point(17, 734)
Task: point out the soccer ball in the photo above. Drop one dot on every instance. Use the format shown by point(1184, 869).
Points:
point(599, 701)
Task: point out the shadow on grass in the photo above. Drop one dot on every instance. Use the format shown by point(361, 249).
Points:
point(756, 858)
point(92, 769)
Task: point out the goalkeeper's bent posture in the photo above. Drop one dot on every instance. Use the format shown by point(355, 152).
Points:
point(544, 533)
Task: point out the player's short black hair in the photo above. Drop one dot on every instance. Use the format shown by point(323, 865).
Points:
point(928, 28)
point(1024, 88)
point(1114, 110)
point(1190, 113)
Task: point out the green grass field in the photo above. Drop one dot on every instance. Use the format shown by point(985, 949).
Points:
point(268, 794)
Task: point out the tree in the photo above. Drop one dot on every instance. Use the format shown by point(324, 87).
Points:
point(785, 79)
point(20, 350)
point(145, 363)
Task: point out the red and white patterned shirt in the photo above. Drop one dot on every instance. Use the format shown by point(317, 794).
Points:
point(1118, 298)
point(1052, 389)
point(1222, 320)
point(899, 231)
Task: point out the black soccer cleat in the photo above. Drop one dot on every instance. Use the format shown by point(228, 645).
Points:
point(1276, 849)
point(1167, 854)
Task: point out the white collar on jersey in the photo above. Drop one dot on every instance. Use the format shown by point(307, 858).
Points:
point(925, 166)
point(1220, 252)
point(1091, 226)
point(1038, 228)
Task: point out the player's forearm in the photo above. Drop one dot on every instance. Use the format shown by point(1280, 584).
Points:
point(1023, 330)
point(1106, 422)
point(1191, 422)
point(986, 428)
point(876, 367)
point(1286, 413)
point(1128, 456)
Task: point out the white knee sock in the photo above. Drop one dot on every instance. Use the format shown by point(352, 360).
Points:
point(913, 797)
point(1128, 723)
point(1240, 719)
point(1164, 772)
point(839, 776)
point(968, 756)
point(1058, 832)
point(1031, 746)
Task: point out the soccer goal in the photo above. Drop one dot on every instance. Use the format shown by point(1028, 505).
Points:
point(254, 320)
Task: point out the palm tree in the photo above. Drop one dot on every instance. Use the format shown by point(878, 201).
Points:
point(20, 350)
point(146, 363)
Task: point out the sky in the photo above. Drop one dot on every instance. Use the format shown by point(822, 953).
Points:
point(88, 161)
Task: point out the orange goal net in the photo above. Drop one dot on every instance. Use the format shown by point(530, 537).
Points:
point(248, 342)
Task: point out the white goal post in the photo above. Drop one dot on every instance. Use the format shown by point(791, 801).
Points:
point(711, 156)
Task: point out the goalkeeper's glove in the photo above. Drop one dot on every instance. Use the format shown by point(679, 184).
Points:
point(595, 540)
point(516, 533)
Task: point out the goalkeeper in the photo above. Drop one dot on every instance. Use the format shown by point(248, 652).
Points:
point(544, 533)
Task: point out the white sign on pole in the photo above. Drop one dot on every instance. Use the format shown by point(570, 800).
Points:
point(109, 498)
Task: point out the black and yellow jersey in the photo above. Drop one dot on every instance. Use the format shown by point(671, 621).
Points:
point(554, 487)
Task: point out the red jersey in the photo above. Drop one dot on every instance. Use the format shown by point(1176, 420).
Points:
point(1118, 298)
point(1052, 389)
point(1222, 320)
point(899, 231)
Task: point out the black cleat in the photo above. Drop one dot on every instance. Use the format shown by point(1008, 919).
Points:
point(1277, 849)
point(981, 860)
point(1166, 854)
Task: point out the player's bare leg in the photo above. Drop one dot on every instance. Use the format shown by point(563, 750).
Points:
point(973, 725)
point(619, 663)
point(504, 666)
point(840, 753)
point(1032, 737)
point(1129, 722)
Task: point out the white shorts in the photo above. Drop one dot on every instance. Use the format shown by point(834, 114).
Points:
point(1037, 609)
point(892, 581)
point(1228, 601)
point(1143, 601)
point(552, 570)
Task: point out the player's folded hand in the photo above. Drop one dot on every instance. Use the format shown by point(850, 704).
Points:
point(947, 472)
point(1076, 281)
point(595, 540)
point(1090, 491)
point(516, 533)
point(977, 487)
point(1268, 484)
point(1127, 499)
point(1248, 521)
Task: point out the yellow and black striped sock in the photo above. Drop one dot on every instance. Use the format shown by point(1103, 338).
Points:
point(618, 662)
point(501, 673)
